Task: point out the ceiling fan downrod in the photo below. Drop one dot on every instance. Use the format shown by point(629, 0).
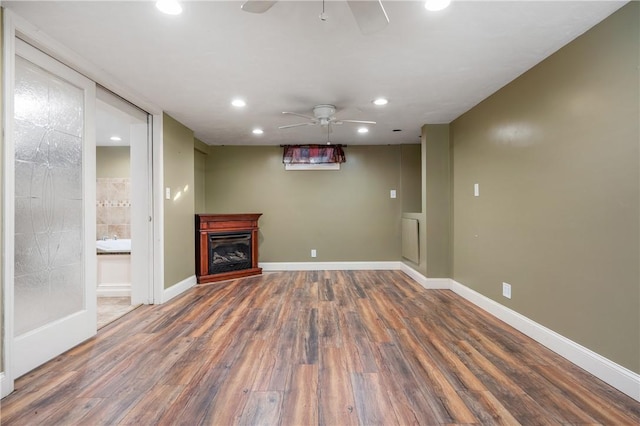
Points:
point(323, 16)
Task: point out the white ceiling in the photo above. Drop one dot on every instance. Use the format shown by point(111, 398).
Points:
point(111, 122)
point(432, 67)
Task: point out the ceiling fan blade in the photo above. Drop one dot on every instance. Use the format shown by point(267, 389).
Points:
point(370, 15)
point(358, 121)
point(308, 117)
point(257, 6)
point(296, 125)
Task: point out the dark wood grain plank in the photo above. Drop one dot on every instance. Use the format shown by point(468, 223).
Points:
point(301, 401)
point(367, 388)
point(335, 396)
point(262, 408)
point(229, 402)
point(151, 408)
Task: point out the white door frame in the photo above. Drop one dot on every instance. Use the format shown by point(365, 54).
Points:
point(15, 26)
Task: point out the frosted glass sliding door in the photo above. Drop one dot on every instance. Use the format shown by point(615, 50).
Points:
point(54, 267)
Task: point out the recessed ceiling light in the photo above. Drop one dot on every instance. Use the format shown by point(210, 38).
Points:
point(363, 130)
point(238, 103)
point(170, 7)
point(115, 138)
point(257, 131)
point(380, 101)
point(436, 5)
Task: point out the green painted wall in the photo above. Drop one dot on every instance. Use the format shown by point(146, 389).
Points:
point(113, 161)
point(179, 232)
point(556, 154)
point(437, 192)
point(346, 215)
point(200, 153)
point(411, 178)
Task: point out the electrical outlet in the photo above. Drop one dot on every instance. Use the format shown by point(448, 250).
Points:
point(392, 193)
point(313, 253)
point(167, 193)
point(506, 290)
point(476, 189)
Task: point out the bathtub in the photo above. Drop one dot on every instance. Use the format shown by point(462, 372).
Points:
point(114, 268)
point(113, 246)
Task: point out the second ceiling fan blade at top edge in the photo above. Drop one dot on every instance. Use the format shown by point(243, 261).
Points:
point(370, 15)
point(358, 121)
point(257, 6)
point(289, 126)
point(299, 115)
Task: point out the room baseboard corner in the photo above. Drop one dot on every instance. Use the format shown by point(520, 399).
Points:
point(428, 283)
point(178, 288)
point(619, 377)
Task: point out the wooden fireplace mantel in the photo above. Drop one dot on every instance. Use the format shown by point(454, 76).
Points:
point(220, 223)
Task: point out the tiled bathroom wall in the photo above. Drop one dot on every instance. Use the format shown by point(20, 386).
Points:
point(113, 208)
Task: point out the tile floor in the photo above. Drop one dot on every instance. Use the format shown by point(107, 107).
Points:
point(112, 308)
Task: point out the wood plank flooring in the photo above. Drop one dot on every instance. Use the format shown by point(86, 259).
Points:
point(313, 348)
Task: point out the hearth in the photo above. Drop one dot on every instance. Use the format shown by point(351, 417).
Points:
point(226, 246)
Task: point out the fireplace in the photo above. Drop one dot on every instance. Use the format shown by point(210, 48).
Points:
point(229, 252)
point(226, 246)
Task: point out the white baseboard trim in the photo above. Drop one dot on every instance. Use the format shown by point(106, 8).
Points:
point(177, 289)
point(328, 266)
point(428, 283)
point(606, 370)
point(113, 290)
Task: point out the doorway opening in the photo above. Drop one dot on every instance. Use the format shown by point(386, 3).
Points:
point(122, 140)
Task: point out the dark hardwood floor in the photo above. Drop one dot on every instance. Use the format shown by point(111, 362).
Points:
point(306, 348)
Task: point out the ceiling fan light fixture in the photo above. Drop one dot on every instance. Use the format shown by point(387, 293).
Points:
point(238, 103)
point(363, 130)
point(170, 7)
point(436, 5)
point(257, 131)
point(115, 138)
point(380, 101)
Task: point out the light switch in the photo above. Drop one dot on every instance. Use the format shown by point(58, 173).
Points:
point(167, 193)
point(392, 193)
point(476, 189)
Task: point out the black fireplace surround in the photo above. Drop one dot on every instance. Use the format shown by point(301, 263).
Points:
point(229, 251)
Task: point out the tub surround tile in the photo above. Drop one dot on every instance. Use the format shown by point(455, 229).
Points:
point(113, 207)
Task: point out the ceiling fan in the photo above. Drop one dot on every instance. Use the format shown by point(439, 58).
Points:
point(370, 15)
point(322, 116)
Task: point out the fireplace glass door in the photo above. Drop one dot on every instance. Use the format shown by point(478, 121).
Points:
point(229, 252)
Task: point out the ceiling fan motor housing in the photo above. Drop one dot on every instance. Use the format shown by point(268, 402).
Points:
point(324, 112)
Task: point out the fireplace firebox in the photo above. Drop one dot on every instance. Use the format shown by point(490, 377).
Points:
point(226, 246)
point(229, 252)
